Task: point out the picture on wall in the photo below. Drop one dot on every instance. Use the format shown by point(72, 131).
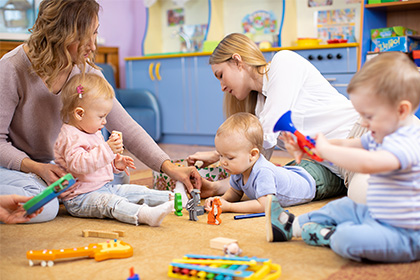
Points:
point(263, 22)
point(336, 24)
point(175, 17)
point(319, 3)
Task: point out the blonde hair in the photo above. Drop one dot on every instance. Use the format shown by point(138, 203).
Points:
point(392, 76)
point(252, 56)
point(59, 24)
point(94, 86)
point(244, 124)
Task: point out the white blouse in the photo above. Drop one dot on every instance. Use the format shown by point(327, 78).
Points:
point(293, 83)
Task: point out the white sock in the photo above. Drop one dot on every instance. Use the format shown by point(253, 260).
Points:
point(297, 230)
point(180, 188)
point(153, 216)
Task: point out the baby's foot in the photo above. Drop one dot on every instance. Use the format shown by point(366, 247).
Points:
point(278, 221)
point(153, 216)
point(317, 234)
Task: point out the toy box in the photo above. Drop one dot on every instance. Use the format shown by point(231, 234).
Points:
point(214, 172)
point(416, 57)
point(394, 31)
point(402, 43)
point(381, 1)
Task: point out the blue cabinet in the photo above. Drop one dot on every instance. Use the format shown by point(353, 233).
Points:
point(191, 99)
point(337, 65)
point(189, 96)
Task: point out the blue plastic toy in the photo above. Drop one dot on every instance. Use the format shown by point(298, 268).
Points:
point(51, 192)
point(305, 143)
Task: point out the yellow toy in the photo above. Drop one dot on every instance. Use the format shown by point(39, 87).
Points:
point(114, 249)
point(218, 268)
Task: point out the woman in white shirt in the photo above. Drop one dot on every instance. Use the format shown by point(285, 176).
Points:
point(269, 89)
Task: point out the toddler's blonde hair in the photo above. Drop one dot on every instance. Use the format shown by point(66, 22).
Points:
point(392, 76)
point(246, 125)
point(94, 86)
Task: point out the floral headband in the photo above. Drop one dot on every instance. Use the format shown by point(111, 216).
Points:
point(80, 90)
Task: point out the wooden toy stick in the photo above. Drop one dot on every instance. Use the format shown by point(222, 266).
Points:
point(103, 233)
point(220, 242)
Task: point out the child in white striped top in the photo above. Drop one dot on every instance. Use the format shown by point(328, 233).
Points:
point(386, 93)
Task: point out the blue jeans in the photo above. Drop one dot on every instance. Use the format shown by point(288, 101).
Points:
point(30, 184)
point(115, 201)
point(360, 237)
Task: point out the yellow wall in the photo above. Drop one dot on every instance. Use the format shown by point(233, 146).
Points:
point(154, 44)
point(153, 41)
point(289, 31)
point(216, 30)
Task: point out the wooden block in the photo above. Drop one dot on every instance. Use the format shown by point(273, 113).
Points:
point(118, 133)
point(103, 234)
point(220, 242)
point(120, 232)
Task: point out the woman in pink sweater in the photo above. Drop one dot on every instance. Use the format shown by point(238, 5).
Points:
point(31, 78)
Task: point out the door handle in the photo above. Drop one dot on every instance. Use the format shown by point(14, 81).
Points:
point(151, 71)
point(157, 71)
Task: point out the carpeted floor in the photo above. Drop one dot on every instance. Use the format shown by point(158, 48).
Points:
point(155, 248)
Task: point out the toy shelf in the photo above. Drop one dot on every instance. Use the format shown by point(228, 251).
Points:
point(401, 13)
point(396, 6)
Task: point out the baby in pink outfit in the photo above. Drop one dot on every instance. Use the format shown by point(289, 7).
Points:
point(81, 150)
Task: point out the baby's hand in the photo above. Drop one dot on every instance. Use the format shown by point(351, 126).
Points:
point(122, 162)
point(206, 158)
point(208, 204)
point(322, 144)
point(115, 143)
point(291, 145)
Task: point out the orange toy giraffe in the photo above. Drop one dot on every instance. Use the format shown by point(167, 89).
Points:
point(213, 217)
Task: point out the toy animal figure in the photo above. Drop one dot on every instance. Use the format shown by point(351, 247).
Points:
point(192, 204)
point(213, 217)
point(232, 249)
point(178, 204)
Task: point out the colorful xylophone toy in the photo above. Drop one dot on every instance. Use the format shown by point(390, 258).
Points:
point(223, 268)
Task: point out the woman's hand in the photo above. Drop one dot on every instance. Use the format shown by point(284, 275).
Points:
point(47, 171)
point(12, 211)
point(189, 176)
point(123, 162)
point(291, 146)
point(206, 157)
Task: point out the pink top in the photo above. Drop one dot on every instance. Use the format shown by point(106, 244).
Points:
point(30, 118)
point(87, 157)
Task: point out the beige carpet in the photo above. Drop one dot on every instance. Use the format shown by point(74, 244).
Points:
point(155, 248)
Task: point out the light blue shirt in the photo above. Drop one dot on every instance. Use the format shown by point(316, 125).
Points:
point(291, 184)
point(394, 197)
